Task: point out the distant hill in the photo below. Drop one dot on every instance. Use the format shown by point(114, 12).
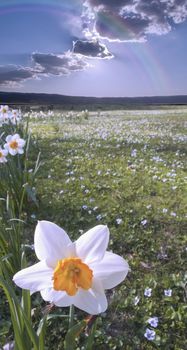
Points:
point(91, 103)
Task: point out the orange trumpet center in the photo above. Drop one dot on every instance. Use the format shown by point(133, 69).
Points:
point(13, 144)
point(70, 274)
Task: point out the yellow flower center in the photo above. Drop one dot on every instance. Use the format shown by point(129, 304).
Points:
point(13, 144)
point(70, 274)
point(1, 155)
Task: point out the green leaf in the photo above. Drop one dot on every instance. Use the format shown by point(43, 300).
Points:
point(72, 334)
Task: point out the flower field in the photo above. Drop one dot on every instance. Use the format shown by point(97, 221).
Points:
point(83, 170)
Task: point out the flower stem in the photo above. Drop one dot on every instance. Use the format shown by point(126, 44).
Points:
point(71, 316)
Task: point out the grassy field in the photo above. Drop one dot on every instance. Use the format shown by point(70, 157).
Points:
point(125, 169)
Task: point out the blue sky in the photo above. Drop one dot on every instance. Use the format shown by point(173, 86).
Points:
point(94, 47)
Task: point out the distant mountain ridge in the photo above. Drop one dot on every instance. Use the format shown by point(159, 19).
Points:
point(68, 102)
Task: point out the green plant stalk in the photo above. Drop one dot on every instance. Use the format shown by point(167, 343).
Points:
point(72, 334)
point(71, 316)
point(90, 340)
point(19, 319)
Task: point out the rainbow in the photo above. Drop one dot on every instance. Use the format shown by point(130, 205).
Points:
point(57, 6)
point(146, 61)
point(140, 53)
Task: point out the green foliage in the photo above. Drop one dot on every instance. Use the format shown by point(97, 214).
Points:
point(90, 176)
point(126, 169)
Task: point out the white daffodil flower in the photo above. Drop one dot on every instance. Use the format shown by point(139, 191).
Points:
point(73, 273)
point(14, 144)
point(15, 116)
point(3, 154)
point(4, 113)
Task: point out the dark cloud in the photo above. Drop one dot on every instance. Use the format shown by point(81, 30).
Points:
point(58, 64)
point(116, 27)
point(11, 75)
point(134, 20)
point(42, 64)
point(91, 48)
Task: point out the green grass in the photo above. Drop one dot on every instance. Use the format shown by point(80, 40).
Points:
point(125, 169)
point(89, 176)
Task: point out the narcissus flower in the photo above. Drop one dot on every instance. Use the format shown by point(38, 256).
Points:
point(4, 113)
point(73, 273)
point(14, 144)
point(15, 116)
point(3, 154)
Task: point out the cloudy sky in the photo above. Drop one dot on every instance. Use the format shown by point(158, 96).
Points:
point(94, 47)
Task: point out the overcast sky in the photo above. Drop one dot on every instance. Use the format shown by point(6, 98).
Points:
point(94, 47)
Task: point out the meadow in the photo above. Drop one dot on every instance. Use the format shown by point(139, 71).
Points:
point(124, 169)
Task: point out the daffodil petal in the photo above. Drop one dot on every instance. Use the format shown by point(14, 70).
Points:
point(91, 246)
point(13, 152)
point(50, 242)
point(92, 301)
point(111, 270)
point(21, 143)
point(59, 298)
point(8, 138)
point(35, 277)
point(15, 136)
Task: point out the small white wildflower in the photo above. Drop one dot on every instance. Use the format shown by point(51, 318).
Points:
point(92, 200)
point(134, 153)
point(153, 321)
point(95, 208)
point(33, 216)
point(168, 292)
point(144, 222)
point(118, 221)
point(149, 334)
point(147, 292)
